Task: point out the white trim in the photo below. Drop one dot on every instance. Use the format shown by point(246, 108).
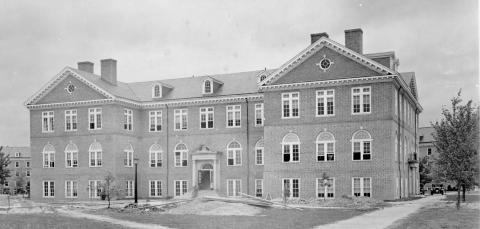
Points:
point(50, 116)
point(234, 108)
point(183, 154)
point(158, 157)
point(362, 142)
point(256, 187)
point(234, 187)
point(49, 187)
point(362, 191)
point(259, 107)
point(361, 94)
point(211, 86)
point(325, 192)
point(183, 184)
point(290, 100)
point(181, 112)
point(93, 191)
point(325, 147)
point(291, 187)
point(235, 162)
point(290, 144)
point(158, 188)
point(95, 111)
point(157, 116)
point(206, 113)
point(160, 90)
point(128, 119)
point(69, 118)
point(324, 99)
point(129, 192)
point(70, 195)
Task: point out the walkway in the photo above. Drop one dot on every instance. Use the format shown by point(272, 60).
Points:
point(383, 218)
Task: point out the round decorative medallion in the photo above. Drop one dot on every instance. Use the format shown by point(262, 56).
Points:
point(70, 88)
point(324, 63)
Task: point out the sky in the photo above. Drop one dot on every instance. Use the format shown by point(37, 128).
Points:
point(437, 39)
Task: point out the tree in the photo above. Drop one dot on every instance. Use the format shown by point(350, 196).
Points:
point(455, 137)
point(425, 170)
point(4, 172)
point(20, 183)
point(109, 188)
point(325, 184)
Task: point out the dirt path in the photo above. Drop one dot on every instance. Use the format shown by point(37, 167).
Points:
point(383, 218)
point(125, 223)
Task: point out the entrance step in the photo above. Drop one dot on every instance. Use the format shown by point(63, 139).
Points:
point(202, 193)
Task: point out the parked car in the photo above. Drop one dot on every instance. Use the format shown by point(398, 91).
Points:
point(437, 189)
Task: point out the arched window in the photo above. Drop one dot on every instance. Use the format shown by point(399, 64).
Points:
point(48, 156)
point(259, 152)
point(156, 154)
point(181, 155)
point(262, 78)
point(234, 153)
point(71, 155)
point(157, 91)
point(361, 145)
point(95, 154)
point(207, 166)
point(207, 87)
point(291, 148)
point(128, 160)
point(325, 147)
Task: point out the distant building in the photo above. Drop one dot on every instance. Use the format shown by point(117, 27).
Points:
point(331, 108)
point(426, 143)
point(19, 167)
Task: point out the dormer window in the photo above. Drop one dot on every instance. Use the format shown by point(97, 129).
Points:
point(157, 91)
point(207, 87)
point(262, 78)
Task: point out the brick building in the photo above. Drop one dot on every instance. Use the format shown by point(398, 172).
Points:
point(331, 109)
point(425, 143)
point(19, 168)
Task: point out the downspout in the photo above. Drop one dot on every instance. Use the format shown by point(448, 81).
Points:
point(399, 142)
point(248, 151)
point(168, 152)
point(416, 152)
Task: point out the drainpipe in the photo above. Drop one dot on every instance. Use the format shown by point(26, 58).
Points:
point(168, 152)
point(248, 151)
point(399, 142)
point(416, 150)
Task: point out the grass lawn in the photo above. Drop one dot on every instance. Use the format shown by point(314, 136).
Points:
point(270, 218)
point(444, 215)
point(27, 221)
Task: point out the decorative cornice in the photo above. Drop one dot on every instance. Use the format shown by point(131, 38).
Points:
point(71, 104)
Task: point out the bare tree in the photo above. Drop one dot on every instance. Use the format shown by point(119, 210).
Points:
point(110, 189)
point(325, 184)
point(4, 172)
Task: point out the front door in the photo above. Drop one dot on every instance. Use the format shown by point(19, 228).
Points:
point(204, 179)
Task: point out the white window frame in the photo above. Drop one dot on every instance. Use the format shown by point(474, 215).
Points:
point(71, 189)
point(289, 98)
point(17, 154)
point(154, 95)
point(325, 148)
point(155, 156)
point(73, 154)
point(236, 154)
point(362, 147)
point(362, 188)
point(262, 151)
point(259, 182)
point(155, 119)
point(48, 158)
point(323, 96)
point(290, 149)
point(48, 121)
point(209, 114)
point(361, 101)
point(325, 191)
point(49, 188)
point(17, 164)
point(97, 157)
point(178, 118)
point(71, 120)
point(94, 189)
point(157, 188)
point(204, 86)
point(182, 187)
point(130, 188)
point(236, 112)
point(291, 187)
point(95, 118)
point(128, 119)
point(128, 162)
point(27, 173)
point(259, 115)
point(182, 159)
point(27, 164)
point(236, 184)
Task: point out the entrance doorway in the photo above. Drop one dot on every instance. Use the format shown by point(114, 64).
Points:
point(205, 177)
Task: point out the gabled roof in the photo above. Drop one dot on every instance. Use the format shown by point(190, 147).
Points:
point(314, 48)
point(11, 150)
point(427, 133)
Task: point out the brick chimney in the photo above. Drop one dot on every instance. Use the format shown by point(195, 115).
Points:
point(85, 66)
point(316, 36)
point(354, 40)
point(109, 71)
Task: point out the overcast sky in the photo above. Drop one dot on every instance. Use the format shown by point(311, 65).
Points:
point(167, 39)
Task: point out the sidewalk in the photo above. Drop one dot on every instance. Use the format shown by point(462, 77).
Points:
point(381, 219)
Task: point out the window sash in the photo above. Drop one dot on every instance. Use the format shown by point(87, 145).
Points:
point(361, 150)
point(206, 117)
point(95, 158)
point(233, 116)
point(48, 188)
point(326, 191)
point(129, 191)
point(362, 186)
point(234, 157)
point(71, 189)
point(290, 105)
point(71, 159)
point(47, 121)
point(234, 187)
point(361, 100)
point(155, 159)
point(259, 188)
point(259, 115)
point(181, 187)
point(259, 156)
point(291, 152)
point(155, 188)
point(49, 159)
point(326, 103)
point(181, 119)
point(128, 162)
point(70, 120)
point(127, 119)
point(95, 118)
point(292, 186)
point(155, 121)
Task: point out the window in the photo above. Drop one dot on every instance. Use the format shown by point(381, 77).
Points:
point(233, 115)
point(71, 189)
point(129, 192)
point(259, 187)
point(180, 187)
point(259, 152)
point(156, 155)
point(71, 156)
point(17, 154)
point(290, 105)
point(17, 173)
point(94, 189)
point(155, 188)
point(207, 87)
point(48, 188)
point(291, 148)
point(157, 91)
point(127, 119)
point(362, 145)
point(362, 186)
point(259, 117)
point(47, 120)
point(429, 151)
point(27, 173)
point(263, 77)
point(48, 156)
point(234, 154)
point(206, 117)
point(325, 147)
point(155, 121)
point(95, 118)
point(17, 164)
point(326, 103)
point(128, 160)
point(27, 164)
point(326, 188)
point(180, 119)
point(234, 187)
point(181, 155)
point(6, 184)
point(291, 187)
point(361, 100)
point(70, 120)
point(95, 153)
